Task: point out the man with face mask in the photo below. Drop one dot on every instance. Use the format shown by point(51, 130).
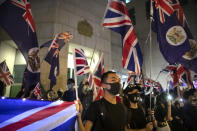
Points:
point(106, 114)
point(136, 120)
point(69, 94)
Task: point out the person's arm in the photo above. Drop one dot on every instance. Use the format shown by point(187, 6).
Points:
point(149, 127)
point(126, 129)
point(79, 108)
point(80, 123)
point(169, 117)
point(88, 125)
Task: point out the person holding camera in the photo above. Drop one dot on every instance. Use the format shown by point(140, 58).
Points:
point(136, 120)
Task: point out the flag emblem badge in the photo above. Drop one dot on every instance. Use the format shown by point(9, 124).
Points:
point(193, 52)
point(176, 35)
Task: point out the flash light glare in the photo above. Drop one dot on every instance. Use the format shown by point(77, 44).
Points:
point(169, 97)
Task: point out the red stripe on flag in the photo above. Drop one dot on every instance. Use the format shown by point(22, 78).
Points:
point(80, 61)
point(97, 82)
point(5, 76)
point(117, 23)
point(120, 7)
point(127, 46)
point(80, 52)
point(37, 116)
point(168, 9)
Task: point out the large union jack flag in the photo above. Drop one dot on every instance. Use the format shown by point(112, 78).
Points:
point(117, 19)
point(24, 115)
point(81, 63)
point(5, 74)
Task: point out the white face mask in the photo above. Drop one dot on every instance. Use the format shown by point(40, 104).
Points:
point(86, 88)
point(69, 86)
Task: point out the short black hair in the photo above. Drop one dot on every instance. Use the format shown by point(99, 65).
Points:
point(105, 75)
point(70, 81)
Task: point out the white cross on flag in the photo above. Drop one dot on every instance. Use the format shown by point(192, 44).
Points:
point(37, 91)
point(5, 74)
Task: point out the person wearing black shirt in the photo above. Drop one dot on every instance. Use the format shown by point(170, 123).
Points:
point(189, 111)
point(105, 114)
point(69, 94)
point(86, 98)
point(136, 120)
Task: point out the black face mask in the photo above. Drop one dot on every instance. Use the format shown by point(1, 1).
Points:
point(115, 88)
point(134, 97)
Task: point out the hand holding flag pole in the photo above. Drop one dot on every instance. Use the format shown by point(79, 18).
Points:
point(75, 75)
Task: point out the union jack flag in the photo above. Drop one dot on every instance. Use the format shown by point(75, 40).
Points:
point(24, 115)
point(132, 78)
point(147, 83)
point(184, 75)
point(117, 19)
point(179, 73)
point(37, 91)
point(81, 63)
point(5, 74)
point(97, 74)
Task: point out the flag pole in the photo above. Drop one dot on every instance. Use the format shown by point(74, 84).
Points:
point(150, 35)
point(76, 87)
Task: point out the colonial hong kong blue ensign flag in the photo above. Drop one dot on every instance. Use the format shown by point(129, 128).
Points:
point(189, 59)
point(117, 19)
point(28, 115)
point(52, 56)
point(16, 19)
point(172, 38)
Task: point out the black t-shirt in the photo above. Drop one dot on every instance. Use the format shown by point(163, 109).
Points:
point(137, 118)
point(113, 115)
point(69, 95)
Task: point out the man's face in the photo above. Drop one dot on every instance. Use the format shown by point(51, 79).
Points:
point(112, 78)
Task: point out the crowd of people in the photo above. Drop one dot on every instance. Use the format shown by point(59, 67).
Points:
point(137, 111)
point(129, 109)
